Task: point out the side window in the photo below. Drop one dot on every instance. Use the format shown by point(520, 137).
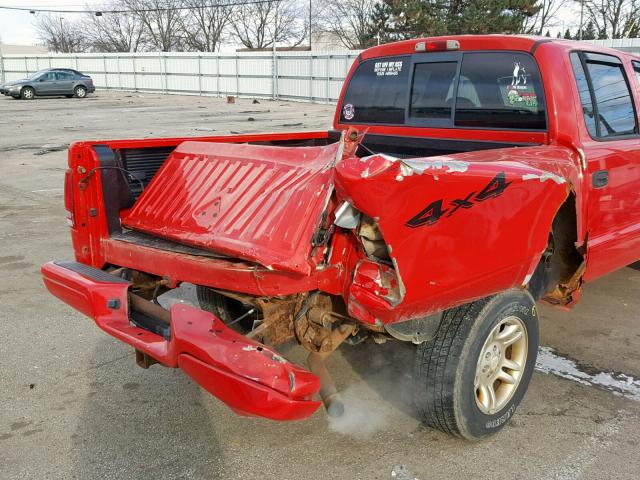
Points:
point(377, 92)
point(64, 76)
point(613, 104)
point(49, 77)
point(585, 94)
point(432, 90)
point(500, 90)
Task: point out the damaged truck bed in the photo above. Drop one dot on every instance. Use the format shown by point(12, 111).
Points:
point(465, 178)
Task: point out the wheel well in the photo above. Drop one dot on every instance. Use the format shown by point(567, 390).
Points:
point(562, 259)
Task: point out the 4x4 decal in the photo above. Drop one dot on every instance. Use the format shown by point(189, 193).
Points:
point(434, 211)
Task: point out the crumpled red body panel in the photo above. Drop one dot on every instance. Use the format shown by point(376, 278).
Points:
point(458, 228)
point(248, 376)
point(254, 202)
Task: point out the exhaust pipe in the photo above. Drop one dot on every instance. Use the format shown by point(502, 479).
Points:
point(316, 361)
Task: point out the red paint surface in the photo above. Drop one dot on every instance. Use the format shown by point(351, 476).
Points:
point(253, 202)
point(246, 375)
point(475, 252)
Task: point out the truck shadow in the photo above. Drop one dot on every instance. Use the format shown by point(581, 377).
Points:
point(140, 424)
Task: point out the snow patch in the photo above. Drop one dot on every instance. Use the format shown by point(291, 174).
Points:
point(619, 383)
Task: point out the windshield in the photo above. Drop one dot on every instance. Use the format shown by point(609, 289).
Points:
point(36, 75)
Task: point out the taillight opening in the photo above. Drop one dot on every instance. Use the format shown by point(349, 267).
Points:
point(68, 197)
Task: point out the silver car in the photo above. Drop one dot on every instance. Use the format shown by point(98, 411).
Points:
point(50, 82)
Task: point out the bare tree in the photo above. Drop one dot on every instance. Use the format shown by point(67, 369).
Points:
point(59, 34)
point(544, 18)
point(258, 25)
point(351, 21)
point(612, 18)
point(205, 23)
point(114, 32)
point(161, 20)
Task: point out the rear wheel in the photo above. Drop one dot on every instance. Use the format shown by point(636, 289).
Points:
point(228, 309)
point(80, 91)
point(27, 93)
point(470, 378)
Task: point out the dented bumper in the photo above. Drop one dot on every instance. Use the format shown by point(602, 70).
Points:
point(246, 375)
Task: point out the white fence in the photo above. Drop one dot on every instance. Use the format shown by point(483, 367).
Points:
point(631, 45)
point(307, 76)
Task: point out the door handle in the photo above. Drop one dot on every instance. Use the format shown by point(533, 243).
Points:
point(600, 178)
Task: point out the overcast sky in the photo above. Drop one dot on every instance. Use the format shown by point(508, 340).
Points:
point(17, 27)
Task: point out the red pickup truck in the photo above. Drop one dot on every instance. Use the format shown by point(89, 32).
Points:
point(465, 178)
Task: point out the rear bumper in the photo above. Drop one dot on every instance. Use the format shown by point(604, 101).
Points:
point(247, 376)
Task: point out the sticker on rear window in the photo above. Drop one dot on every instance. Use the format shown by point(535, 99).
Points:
point(519, 75)
point(384, 69)
point(348, 111)
point(517, 91)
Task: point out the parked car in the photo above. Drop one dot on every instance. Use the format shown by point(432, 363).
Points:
point(50, 82)
point(465, 179)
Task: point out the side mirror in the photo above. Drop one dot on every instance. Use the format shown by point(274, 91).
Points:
point(42, 79)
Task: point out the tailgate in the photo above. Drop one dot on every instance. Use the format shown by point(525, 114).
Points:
point(254, 202)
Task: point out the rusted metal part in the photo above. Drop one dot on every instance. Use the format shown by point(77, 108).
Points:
point(116, 271)
point(557, 276)
point(143, 360)
point(148, 308)
point(313, 328)
point(566, 293)
point(143, 283)
point(316, 361)
point(277, 314)
point(278, 317)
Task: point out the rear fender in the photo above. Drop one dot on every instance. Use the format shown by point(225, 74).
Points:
point(456, 230)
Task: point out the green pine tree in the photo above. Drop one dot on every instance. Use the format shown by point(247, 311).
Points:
point(589, 32)
point(567, 35)
point(415, 18)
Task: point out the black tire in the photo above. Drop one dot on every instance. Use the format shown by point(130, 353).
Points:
point(80, 91)
point(27, 93)
point(445, 367)
point(226, 309)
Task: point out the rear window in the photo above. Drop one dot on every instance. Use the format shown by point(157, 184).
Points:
point(432, 90)
point(500, 90)
point(377, 92)
point(467, 90)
